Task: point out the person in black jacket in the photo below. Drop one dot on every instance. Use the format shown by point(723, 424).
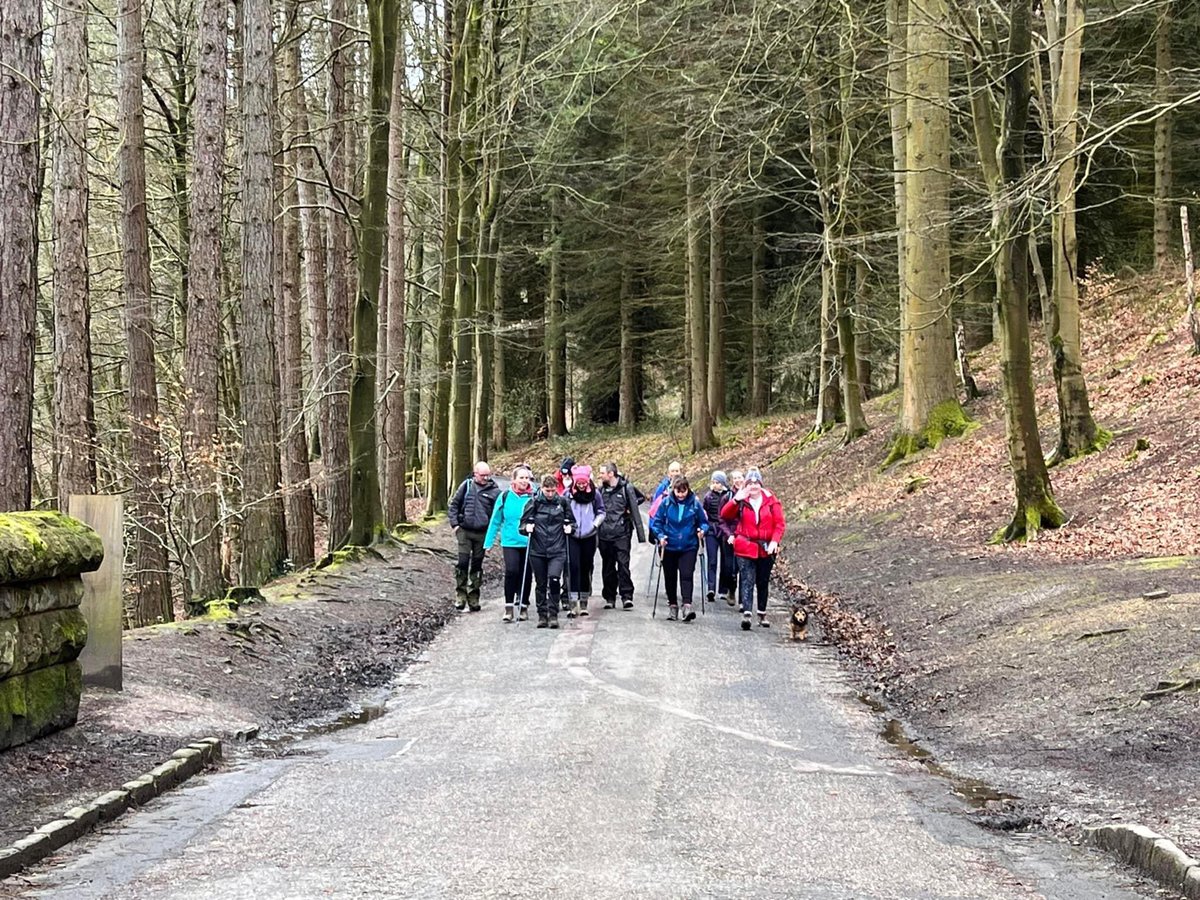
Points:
point(548, 521)
point(470, 513)
point(621, 519)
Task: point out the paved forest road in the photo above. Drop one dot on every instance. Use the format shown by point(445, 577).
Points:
point(618, 758)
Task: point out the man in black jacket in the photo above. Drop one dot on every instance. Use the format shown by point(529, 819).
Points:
point(621, 519)
point(548, 521)
point(470, 512)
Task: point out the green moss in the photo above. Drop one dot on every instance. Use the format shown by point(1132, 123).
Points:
point(41, 544)
point(1028, 520)
point(218, 611)
point(1161, 563)
point(946, 420)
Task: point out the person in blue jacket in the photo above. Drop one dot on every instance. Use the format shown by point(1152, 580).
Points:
point(681, 525)
point(674, 470)
point(505, 524)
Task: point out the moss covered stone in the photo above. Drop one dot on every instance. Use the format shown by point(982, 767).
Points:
point(38, 703)
point(41, 596)
point(35, 546)
point(46, 639)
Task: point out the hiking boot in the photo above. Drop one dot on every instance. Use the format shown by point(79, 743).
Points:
point(543, 622)
point(508, 614)
point(673, 613)
point(583, 607)
point(688, 613)
point(745, 621)
point(728, 598)
point(524, 616)
point(460, 604)
point(610, 604)
point(554, 621)
point(762, 621)
point(627, 604)
point(711, 595)
point(573, 611)
point(473, 607)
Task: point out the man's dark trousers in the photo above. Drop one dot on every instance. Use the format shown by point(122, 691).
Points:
point(614, 570)
point(468, 574)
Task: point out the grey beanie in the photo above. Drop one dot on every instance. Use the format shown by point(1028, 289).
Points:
point(720, 478)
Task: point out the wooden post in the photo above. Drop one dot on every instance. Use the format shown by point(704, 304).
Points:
point(102, 604)
point(1189, 273)
point(964, 365)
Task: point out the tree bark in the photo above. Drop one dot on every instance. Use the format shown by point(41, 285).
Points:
point(150, 582)
point(263, 533)
point(758, 264)
point(394, 410)
point(335, 444)
point(716, 313)
point(297, 488)
point(1164, 174)
point(202, 564)
point(365, 503)
point(74, 424)
point(1078, 432)
point(929, 407)
point(627, 412)
point(556, 339)
point(1035, 505)
point(702, 424)
point(897, 87)
point(20, 188)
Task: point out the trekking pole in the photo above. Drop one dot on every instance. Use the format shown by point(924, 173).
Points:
point(657, 582)
point(521, 592)
point(570, 614)
point(650, 577)
point(703, 578)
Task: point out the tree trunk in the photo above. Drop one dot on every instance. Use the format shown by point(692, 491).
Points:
point(702, 424)
point(758, 264)
point(897, 88)
point(1078, 432)
point(203, 348)
point(437, 466)
point(499, 366)
point(365, 503)
point(263, 545)
point(20, 188)
point(556, 339)
point(929, 407)
point(865, 338)
point(297, 490)
point(394, 408)
point(627, 414)
point(716, 313)
point(852, 398)
point(74, 425)
point(1035, 505)
point(1164, 178)
point(335, 444)
point(828, 386)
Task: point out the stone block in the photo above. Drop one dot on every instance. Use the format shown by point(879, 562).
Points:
point(46, 639)
point(38, 545)
point(109, 806)
point(140, 790)
point(1191, 884)
point(39, 702)
point(24, 599)
point(1168, 864)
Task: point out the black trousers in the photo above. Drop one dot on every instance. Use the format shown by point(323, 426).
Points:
point(681, 565)
point(721, 564)
point(548, 574)
point(614, 569)
point(583, 563)
point(514, 568)
point(754, 573)
point(468, 574)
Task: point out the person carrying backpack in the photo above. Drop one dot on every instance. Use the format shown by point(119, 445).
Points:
point(718, 550)
point(506, 525)
point(680, 524)
point(757, 517)
point(587, 507)
point(621, 520)
point(470, 513)
point(548, 522)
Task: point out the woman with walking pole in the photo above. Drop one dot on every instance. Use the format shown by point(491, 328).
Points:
point(505, 524)
point(680, 525)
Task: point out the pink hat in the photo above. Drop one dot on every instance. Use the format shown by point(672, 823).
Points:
point(581, 473)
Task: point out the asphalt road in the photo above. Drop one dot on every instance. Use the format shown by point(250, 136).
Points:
point(620, 757)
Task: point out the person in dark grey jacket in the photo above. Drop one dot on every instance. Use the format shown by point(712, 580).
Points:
point(621, 520)
point(548, 522)
point(470, 513)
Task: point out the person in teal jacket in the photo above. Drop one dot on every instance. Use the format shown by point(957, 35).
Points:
point(680, 525)
point(505, 525)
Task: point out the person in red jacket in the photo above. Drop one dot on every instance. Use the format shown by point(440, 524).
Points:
point(758, 524)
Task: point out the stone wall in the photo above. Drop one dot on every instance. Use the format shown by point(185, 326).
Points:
point(42, 631)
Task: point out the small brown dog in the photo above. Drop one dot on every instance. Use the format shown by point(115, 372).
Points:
point(798, 622)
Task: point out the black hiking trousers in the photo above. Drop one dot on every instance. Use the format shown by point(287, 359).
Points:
point(614, 570)
point(547, 572)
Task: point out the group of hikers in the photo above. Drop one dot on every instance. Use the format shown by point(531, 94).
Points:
point(735, 529)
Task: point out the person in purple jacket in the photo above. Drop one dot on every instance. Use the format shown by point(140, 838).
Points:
point(587, 506)
point(717, 547)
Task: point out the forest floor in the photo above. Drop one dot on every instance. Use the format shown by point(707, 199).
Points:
point(324, 642)
point(1064, 672)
